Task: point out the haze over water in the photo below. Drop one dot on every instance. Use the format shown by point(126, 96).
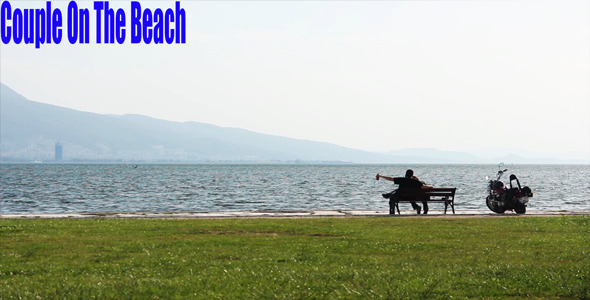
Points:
point(95, 188)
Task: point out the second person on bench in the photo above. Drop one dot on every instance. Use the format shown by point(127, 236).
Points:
point(405, 183)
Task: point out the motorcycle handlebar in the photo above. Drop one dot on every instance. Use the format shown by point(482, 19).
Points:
point(500, 173)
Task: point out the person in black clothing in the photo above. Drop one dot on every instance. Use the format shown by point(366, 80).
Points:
point(407, 182)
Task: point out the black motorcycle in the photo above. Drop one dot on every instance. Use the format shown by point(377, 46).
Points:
point(502, 198)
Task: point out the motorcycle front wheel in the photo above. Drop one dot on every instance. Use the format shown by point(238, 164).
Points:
point(493, 205)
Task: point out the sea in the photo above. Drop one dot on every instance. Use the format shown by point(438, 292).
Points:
point(133, 188)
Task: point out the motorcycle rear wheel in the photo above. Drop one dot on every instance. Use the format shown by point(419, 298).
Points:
point(520, 209)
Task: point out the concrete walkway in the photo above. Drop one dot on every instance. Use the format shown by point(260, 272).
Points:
point(282, 214)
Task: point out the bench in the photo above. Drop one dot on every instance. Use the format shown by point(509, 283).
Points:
point(444, 195)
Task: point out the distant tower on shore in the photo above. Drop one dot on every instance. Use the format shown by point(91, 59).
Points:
point(59, 152)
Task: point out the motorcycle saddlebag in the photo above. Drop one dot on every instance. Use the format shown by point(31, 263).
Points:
point(526, 191)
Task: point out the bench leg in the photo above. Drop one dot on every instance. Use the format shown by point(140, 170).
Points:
point(397, 207)
point(446, 205)
point(453, 206)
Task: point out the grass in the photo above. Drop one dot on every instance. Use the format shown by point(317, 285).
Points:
point(364, 257)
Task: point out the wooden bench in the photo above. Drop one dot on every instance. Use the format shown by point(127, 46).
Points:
point(444, 195)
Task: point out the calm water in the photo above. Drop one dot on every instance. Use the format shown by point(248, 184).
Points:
point(77, 188)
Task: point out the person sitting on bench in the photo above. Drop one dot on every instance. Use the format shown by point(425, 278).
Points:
point(408, 182)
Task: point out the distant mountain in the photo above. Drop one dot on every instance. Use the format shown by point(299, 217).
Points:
point(490, 156)
point(29, 131)
point(431, 155)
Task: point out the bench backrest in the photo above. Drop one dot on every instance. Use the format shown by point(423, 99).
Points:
point(440, 192)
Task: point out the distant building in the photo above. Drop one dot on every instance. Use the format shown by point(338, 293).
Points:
point(59, 152)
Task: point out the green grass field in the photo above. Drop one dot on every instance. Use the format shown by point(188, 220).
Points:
point(358, 257)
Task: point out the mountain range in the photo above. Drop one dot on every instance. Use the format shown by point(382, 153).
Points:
point(29, 131)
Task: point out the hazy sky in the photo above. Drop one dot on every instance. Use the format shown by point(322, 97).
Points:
point(384, 75)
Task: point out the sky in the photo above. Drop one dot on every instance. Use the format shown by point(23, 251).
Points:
point(377, 76)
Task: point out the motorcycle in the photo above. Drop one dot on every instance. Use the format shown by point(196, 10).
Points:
point(502, 198)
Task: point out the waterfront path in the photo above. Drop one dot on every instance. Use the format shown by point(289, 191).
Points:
point(285, 214)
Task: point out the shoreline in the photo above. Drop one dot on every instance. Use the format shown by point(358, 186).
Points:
point(281, 214)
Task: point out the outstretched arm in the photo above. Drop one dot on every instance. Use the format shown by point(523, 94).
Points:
point(384, 177)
